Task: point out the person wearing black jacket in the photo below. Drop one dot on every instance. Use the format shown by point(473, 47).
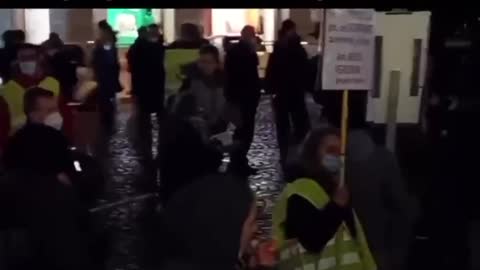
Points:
point(146, 62)
point(242, 90)
point(38, 198)
point(287, 78)
point(51, 196)
point(11, 40)
point(106, 68)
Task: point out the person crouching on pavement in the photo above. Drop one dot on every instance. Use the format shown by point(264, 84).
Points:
point(184, 152)
point(204, 82)
point(313, 222)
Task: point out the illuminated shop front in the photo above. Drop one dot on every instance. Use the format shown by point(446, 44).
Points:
point(229, 22)
point(126, 22)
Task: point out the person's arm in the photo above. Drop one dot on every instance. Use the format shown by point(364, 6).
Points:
point(186, 84)
point(270, 74)
point(229, 70)
point(312, 227)
point(305, 69)
point(5, 125)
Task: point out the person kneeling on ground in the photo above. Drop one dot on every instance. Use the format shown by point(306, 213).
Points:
point(184, 154)
point(314, 214)
point(205, 81)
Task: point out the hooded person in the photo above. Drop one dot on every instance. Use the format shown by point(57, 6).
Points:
point(195, 237)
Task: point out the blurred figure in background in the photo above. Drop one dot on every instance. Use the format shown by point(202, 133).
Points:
point(146, 62)
point(242, 91)
point(190, 38)
point(12, 39)
point(107, 72)
point(286, 78)
point(381, 200)
point(313, 222)
point(28, 71)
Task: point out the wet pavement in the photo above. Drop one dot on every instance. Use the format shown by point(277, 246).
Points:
point(124, 168)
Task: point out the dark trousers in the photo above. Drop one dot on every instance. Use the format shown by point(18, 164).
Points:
point(107, 108)
point(145, 128)
point(290, 111)
point(244, 134)
point(144, 142)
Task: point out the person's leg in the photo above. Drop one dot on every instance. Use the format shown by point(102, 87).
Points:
point(144, 130)
point(244, 134)
point(282, 121)
point(300, 117)
point(107, 111)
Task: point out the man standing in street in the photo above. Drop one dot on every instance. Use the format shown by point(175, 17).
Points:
point(242, 91)
point(146, 60)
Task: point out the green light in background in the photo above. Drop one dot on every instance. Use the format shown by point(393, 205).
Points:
point(126, 22)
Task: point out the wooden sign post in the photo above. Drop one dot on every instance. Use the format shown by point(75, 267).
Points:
point(344, 136)
point(348, 55)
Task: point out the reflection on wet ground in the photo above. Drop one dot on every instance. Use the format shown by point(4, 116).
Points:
point(124, 168)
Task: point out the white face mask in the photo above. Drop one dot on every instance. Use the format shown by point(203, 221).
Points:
point(28, 67)
point(54, 120)
point(107, 47)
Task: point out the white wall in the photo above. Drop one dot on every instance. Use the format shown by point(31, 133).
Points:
point(398, 33)
point(59, 22)
point(37, 25)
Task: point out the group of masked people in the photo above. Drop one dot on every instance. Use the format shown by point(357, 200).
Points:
point(48, 187)
point(314, 223)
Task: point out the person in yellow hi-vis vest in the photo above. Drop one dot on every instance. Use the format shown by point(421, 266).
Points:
point(313, 223)
point(28, 72)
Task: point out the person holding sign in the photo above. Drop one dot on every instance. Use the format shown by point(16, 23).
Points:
point(313, 222)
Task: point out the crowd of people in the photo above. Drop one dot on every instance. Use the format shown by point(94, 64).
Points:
point(213, 113)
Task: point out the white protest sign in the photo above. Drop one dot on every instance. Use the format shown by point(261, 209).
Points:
point(349, 49)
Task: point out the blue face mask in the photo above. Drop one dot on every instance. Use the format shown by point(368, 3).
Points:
point(332, 163)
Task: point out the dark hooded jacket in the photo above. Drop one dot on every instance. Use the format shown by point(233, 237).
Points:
point(146, 62)
point(195, 237)
point(34, 201)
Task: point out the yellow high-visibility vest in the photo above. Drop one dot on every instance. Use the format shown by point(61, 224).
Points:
point(174, 60)
point(13, 94)
point(342, 252)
